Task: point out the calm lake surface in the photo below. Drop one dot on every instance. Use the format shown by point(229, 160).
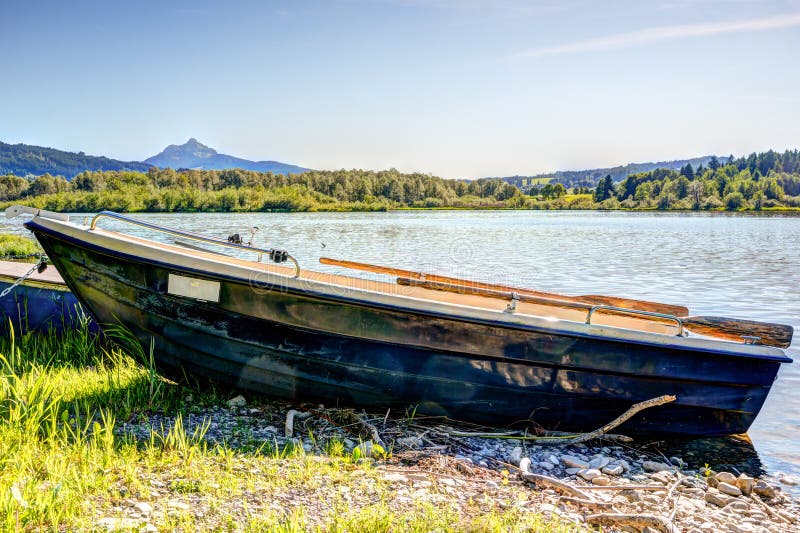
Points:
point(716, 264)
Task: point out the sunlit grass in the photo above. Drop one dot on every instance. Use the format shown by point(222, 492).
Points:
point(18, 246)
point(64, 464)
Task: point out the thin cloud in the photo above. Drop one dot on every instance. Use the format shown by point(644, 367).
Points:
point(664, 33)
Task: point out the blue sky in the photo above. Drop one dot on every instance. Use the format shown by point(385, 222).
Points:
point(457, 88)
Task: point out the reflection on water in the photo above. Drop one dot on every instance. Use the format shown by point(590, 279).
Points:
point(716, 264)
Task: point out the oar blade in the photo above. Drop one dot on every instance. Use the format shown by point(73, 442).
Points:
point(779, 335)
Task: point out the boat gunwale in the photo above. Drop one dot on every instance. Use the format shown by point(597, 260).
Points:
point(538, 324)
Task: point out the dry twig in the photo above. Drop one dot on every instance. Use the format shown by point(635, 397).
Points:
point(635, 408)
point(538, 479)
point(639, 521)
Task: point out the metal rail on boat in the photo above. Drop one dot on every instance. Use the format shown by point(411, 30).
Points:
point(625, 310)
point(272, 253)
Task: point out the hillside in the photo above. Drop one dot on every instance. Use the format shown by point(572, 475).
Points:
point(196, 155)
point(589, 178)
point(25, 159)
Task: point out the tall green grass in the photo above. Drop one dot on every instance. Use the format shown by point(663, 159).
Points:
point(64, 463)
point(17, 246)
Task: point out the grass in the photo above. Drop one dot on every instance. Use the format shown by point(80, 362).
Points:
point(17, 246)
point(65, 464)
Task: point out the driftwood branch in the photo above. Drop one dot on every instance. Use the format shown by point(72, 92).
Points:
point(639, 521)
point(670, 500)
point(635, 408)
point(290, 416)
point(557, 484)
point(587, 503)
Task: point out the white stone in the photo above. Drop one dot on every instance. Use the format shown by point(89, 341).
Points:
point(237, 401)
point(573, 471)
point(613, 470)
point(737, 505)
point(525, 464)
point(546, 465)
point(717, 498)
point(143, 507)
point(762, 488)
point(688, 507)
point(602, 481)
point(589, 474)
point(183, 506)
point(745, 484)
point(789, 481)
point(573, 462)
point(662, 477)
point(655, 466)
point(727, 488)
point(553, 459)
point(726, 477)
point(599, 462)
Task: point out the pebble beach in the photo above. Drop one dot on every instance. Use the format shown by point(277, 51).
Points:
point(600, 485)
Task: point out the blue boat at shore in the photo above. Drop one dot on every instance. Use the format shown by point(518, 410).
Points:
point(470, 351)
point(41, 302)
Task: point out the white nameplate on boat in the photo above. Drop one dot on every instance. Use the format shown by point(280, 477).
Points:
point(199, 289)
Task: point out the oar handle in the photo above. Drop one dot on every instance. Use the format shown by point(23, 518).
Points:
point(591, 300)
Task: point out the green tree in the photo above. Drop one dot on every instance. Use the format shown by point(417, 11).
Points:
point(604, 190)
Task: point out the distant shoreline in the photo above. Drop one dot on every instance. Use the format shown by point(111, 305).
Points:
point(790, 211)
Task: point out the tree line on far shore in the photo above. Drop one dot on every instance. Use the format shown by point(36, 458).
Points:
point(759, 181)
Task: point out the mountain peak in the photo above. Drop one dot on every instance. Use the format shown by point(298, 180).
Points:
point(184, 155)
point(194, 154)
point(194, 143)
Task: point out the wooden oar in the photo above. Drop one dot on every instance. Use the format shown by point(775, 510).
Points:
point(724, 328)
point(653, 307)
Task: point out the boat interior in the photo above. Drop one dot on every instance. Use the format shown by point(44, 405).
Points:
point(551, 311)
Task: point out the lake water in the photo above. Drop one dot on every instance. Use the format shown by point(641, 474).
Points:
point(716, 264)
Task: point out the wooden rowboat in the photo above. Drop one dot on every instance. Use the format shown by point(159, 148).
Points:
point(492, 357)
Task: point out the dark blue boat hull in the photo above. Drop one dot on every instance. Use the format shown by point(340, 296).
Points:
point(38, 308)
point(303, 347)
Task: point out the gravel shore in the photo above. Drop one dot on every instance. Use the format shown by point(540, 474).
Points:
point(616, 486)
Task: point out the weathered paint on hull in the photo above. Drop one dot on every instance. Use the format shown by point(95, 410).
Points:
point(306, 348)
